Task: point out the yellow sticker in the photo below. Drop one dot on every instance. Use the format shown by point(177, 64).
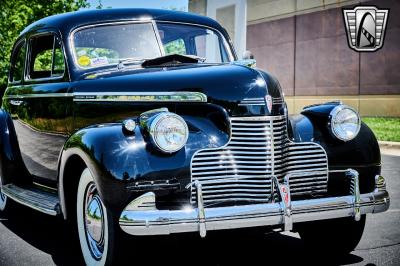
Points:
point(84, 60)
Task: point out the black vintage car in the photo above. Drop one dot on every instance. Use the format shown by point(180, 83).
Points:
point(144, 122)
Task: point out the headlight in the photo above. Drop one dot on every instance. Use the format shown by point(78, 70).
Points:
point(345, 122)
point(168, 132)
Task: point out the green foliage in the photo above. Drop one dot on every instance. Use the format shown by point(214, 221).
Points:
point(43, 61)
point(59, 65)
point(15, 15)
point(384, 128)
point(175, 47)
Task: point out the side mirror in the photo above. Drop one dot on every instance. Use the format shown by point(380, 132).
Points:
point(247, 55)
point(248, 60)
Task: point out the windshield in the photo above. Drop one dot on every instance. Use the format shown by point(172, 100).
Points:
point(110, 44)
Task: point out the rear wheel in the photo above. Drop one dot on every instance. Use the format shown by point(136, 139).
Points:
point(95, 224)
point(3, 198)
point(335, 237)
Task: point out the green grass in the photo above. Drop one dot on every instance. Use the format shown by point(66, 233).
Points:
point(387, 129)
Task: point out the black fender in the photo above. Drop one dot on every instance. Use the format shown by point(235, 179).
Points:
point(12, 168)
point(119, 160)
point(362, 153)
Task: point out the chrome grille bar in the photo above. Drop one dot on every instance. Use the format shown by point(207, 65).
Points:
point(258, 150)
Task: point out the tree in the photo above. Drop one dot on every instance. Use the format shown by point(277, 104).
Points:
point(15, 15)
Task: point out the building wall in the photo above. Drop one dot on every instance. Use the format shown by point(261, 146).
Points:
point(304, 44)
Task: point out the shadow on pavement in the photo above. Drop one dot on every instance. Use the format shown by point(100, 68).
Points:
point(52, 236)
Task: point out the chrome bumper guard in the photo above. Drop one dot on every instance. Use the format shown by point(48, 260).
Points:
point(141, 217)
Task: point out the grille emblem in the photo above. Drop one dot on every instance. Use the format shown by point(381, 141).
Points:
point(268, 101)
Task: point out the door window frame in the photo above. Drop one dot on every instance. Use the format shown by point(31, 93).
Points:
point(18, 45)
point(27, 78)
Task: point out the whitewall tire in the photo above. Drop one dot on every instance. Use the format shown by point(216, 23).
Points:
point(95, 224)
point(3, 199)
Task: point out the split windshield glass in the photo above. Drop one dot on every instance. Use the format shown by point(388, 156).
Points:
point(110, 44)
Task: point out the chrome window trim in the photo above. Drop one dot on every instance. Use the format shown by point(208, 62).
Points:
point(158, 37)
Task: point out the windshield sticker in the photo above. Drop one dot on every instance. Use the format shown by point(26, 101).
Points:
point(99, 61)
point(84, 60)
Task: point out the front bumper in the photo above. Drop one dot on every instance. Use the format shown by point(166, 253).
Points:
point(141, 217)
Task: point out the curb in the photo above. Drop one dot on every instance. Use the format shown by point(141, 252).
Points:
point(389, 144)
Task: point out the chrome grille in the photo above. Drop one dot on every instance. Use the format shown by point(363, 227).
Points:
point(242, 170)
point(260, 101)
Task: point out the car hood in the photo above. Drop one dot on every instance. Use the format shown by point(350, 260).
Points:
point(233, 87)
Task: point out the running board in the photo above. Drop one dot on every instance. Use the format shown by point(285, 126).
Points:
point(34, 198)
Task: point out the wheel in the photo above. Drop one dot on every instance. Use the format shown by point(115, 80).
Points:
point(95, 224)
point(332, 238)
point(3, 199)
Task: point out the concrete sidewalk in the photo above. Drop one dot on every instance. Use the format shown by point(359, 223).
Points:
point(390, 147)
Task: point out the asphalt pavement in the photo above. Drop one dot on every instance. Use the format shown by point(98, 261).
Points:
point(30, 238)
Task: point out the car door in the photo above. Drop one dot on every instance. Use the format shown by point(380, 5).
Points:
point(38, 106)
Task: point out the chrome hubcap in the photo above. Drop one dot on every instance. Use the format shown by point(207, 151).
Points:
point(94, 221)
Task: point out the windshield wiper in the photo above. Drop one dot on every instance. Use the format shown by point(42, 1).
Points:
point(122, 63)
point(172, 59)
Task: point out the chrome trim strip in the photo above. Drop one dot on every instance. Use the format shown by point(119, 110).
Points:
point(259, 101)
point(176, 96)
point(201, 213)
point(37, 95)
point(272, 143)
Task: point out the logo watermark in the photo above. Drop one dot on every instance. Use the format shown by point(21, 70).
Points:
point(365, 27)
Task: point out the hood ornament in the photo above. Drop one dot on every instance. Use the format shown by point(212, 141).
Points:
point(268, 101)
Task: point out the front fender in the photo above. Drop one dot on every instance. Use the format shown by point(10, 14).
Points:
point(362, 153)
point(363, 150)
point(118, 160)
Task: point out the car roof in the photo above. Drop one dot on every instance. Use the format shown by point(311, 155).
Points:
point(69, 21)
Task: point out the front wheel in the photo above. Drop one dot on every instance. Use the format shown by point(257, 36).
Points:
point(95, 224)
point(332, 238)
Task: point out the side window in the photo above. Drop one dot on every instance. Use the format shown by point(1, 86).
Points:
point(175, 47)
point(17, 63)
point(46, 58)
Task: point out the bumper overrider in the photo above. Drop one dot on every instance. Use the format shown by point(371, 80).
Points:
point(141, 217)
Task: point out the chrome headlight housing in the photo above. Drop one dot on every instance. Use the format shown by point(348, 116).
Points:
point(345, 122)
point(168, 132)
